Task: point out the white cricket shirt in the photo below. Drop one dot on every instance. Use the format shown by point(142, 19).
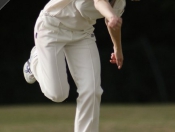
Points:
point(77, 14)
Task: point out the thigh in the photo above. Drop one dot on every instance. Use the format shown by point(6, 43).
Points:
point(84, 63)
point(52, 75)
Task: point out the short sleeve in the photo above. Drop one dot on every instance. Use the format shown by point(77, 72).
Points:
point(119, 7)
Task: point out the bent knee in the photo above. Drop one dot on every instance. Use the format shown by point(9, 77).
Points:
point(99, 92)
point(57, 97)
point(91, 93)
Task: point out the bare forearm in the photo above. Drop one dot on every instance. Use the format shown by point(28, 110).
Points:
point(116, 37)
point(113, 23)
point(117, 55)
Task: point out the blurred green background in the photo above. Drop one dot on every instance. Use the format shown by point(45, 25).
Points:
point(114, 118)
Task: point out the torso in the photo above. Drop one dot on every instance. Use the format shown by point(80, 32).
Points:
point(75, 14)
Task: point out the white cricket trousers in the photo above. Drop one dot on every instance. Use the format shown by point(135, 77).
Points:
point(53, 45)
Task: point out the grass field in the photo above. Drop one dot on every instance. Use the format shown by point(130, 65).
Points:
point(114, 118)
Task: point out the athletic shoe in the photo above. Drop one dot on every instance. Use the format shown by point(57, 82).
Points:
point(28, 75)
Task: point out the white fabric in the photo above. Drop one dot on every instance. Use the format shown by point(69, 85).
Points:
point(119, 7)
point(78, 14)
point(68, 13)
point(49, 68)
point(64, 29)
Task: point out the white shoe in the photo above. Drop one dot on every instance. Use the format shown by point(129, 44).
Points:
point(29, 77)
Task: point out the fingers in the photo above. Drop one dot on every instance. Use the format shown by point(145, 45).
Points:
point(113, 59)
point(113, 56)
point(118, 61)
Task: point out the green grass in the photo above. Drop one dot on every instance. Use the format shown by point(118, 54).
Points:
point(114, 118)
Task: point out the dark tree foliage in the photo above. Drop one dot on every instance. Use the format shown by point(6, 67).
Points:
point(148, 73)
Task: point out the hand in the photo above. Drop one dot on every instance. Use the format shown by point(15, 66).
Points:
point(117, 58)
point(114, 22)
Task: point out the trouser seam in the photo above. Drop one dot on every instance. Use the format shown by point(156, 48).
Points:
point(94, 86)
point(58, 73)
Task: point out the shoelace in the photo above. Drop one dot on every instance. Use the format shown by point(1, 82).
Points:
point(28, 68)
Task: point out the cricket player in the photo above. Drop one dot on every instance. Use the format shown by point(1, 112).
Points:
point(64, 29)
